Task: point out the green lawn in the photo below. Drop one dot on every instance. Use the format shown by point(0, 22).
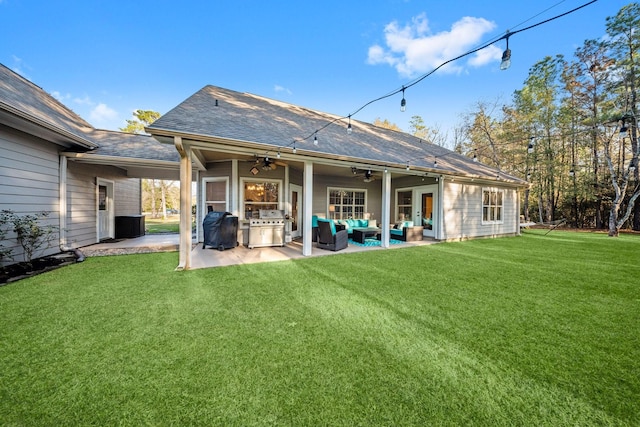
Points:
point(529, 331)
point(160, 225)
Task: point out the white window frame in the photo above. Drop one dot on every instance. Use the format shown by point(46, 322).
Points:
point(244, 181)
point(411, 206)
point(361, 190)
point(224, 179)
point(492, 206)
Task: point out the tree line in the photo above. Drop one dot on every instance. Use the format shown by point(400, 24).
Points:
point(572, 132)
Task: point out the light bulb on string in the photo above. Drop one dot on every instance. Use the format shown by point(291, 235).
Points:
point(349, 129)
point(403, 103)
point(506, 55)
point(315, 139)
point(623, 130)
point(530, 147)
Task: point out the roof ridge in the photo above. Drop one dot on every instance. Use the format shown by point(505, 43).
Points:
point(20, 76)
point(81, 122)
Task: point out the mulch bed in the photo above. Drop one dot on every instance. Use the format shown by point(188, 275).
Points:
point(21, 270)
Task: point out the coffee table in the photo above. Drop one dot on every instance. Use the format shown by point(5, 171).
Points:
point(360, 234)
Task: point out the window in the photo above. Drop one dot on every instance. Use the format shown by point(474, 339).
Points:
point(215, 194)
point(344, 203)
point(492, 205)
point(404, 205)
point(260, 194)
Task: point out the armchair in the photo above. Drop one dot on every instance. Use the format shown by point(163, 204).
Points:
point(329, 238)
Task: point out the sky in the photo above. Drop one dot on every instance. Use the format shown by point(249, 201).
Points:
point(105, 59)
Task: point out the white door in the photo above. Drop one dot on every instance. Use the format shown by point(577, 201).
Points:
point(295, 198)
point(105, 217)
point(425, 209)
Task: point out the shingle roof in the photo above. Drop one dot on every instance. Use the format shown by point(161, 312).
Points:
point(221, 113)
point(19, 95)
point(128, 145)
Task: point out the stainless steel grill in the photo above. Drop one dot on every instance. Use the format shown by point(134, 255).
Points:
point(267, 229)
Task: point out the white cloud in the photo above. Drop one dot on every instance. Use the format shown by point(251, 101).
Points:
point(279, 88)
point(83, 101)
point(19, 66)
point(413, 49)
point(485, 56)
point(60, 97)
point(101, 114)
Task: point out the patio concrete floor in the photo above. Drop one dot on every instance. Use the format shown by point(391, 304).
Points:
point(207, 258)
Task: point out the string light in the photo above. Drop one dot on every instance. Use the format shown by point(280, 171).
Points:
point(475, 156)
point(623, 130)
point(315, 139)
point(278, 155)
point(506, 55)
point(435, 162)
point(505, 63)
point(294, 147)
point(407, 164)
point(530, 147)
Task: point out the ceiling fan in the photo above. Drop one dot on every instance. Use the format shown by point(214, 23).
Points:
point(366, 175)
point(265, 163)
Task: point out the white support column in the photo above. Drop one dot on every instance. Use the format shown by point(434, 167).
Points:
point(287, 205)
point(516, 192)
point(386, 209)
point(440, 224)
point(307, 208)
point(199, 214)
point(185, 203)
point(234, 206)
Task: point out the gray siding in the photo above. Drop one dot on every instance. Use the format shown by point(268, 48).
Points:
point(322, 183)
point(462, 206)
point(81, 199)
point(28, 182)
point(128, 196)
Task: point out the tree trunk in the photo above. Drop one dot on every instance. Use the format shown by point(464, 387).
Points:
point(154, 210)
point(163, 187)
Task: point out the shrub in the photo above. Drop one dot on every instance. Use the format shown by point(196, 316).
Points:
point(5, 220)
point(30, 234)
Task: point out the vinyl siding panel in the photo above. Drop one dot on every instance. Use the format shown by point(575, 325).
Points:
point(28, 183)
point(128, 197)
point(462, 212)
point(322, 183)
point(81, 199)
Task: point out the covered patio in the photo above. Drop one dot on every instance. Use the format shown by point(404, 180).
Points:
point(209, 258)
point(247, 153)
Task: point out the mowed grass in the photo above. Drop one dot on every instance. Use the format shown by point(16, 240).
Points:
point(160, 225)
point(528, 331)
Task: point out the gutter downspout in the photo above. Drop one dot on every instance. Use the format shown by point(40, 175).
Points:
point(62, 210)
point(185, 204)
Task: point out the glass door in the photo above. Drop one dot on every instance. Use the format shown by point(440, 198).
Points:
point(295, 198)
point(427, 214)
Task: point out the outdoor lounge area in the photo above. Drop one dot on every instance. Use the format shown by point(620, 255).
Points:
point(209, 258)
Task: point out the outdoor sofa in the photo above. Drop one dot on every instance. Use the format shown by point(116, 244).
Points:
point(406, 231)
